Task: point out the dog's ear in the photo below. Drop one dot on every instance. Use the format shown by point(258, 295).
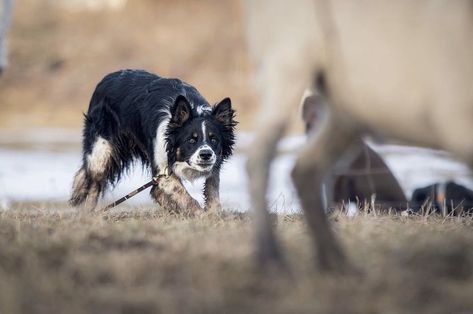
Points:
point(224, 113)
point(181, 111)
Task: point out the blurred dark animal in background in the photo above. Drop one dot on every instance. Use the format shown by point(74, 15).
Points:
point(446, 197)
point(6, 10)
point(364, 179)
point(399, 69)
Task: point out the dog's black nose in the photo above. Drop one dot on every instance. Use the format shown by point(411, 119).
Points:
point(205, 154)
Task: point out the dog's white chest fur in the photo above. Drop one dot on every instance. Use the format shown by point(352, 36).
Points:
point(160, 154)
point(186, 172)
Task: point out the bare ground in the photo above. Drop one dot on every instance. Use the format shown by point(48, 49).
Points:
point(147, 261)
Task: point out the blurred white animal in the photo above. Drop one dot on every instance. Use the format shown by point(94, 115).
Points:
point(94, 5)
point(366, 178)
point(402, 69)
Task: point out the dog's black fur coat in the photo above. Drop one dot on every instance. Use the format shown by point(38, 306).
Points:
point(125, 111)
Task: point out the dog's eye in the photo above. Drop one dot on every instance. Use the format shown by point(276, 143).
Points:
point(192, 141)
point(213, 140)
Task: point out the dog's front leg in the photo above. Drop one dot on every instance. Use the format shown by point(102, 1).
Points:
point(173, 196)
point(211, 192)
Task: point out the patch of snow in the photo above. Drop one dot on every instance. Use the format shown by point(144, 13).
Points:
point(416, 167)
point(40, 136)
point(40, 174)
point(32, 175)
point(352, 210)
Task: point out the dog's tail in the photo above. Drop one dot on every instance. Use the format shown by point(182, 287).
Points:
point(101, 121)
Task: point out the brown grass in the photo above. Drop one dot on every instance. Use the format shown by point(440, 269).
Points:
point(146, 261)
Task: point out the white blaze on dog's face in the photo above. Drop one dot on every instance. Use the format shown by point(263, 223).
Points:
point(204, 156)
point(195, 144)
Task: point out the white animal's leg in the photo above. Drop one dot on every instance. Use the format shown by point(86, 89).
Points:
point(258, 172)
point(313, 165)
point(279, 100)
point(285, 63)
point(211, 192)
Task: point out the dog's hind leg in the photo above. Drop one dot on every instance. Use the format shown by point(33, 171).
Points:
point(314, 163)
point(85, 190)
point(80, 187)
point(91, 179)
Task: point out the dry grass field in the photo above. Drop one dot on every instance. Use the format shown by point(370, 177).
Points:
point(146, 261)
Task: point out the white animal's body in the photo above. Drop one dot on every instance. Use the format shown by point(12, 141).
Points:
point(401, 69)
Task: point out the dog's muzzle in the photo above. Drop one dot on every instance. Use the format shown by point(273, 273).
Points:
point(206, 155)
point(205, 158)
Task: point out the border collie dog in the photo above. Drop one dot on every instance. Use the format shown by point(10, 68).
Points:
point(164, 123)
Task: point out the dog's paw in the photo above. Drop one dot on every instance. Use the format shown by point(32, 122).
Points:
point(169, 184)
point(172, 195)
point(213, 207)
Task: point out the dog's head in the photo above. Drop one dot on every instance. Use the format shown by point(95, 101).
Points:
point(198, 143)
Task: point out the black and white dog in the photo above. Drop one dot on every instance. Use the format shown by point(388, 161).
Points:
point(164, 123)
